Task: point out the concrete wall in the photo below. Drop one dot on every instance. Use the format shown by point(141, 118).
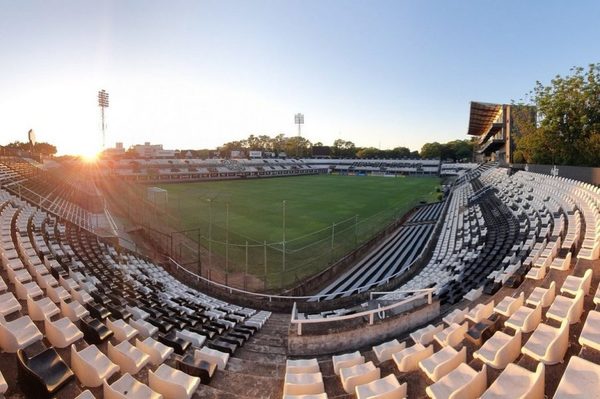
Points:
point(585, 174)
point(356, 333)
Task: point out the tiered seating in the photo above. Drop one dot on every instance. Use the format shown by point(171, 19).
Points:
point(394, 256)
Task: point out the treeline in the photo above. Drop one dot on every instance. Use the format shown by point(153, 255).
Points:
point(567, 131)
point(295, 146)
point(39, 148)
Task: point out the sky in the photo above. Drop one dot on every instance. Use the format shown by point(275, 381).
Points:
point(196, 74)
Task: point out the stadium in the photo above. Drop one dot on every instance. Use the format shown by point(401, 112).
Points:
point(469, 269)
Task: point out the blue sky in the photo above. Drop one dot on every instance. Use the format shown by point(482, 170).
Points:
point(196, 74)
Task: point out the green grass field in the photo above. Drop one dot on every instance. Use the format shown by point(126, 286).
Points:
point(360, 206)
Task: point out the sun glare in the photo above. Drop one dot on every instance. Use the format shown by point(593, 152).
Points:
point(90, 155)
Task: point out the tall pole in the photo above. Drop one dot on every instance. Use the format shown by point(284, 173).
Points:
point(226, 240)
point(103, 103)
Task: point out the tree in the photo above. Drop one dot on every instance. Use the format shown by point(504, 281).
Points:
point(431, 150)
point(568, 115)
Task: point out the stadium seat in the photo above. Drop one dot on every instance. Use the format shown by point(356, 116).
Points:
point(8, 304)
point(157, 352)
point(3, 384)
point(144, 328)
point(424, 336)
point(573, 284)
point(121, 330)
point(346, 360)
point(303, 384)
point(196, 340)
point(461, 383)
point(525, 318)
point(456, 316)
point(509, 305)
point(500, 350)
point(73, 310)
point(42, 374)
point(566, 308)
point(128, 387)
point(442, 362)
point(129, 358)
point(481, 311)
point(544, 296)
point(385, 350)
point(213, 356)
point(62, 333)
point(41, 309)
point(91, 366)
point(452, 335)
point(302, 366)
point(408, 359)
point(18, 334)
point(590, 335)
point(517, 382)
point(548, 344)
point(581, 379)
point(358, 374)
point(172, 383)
point(386, 387)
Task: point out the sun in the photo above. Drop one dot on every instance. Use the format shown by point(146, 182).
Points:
point(90, 155)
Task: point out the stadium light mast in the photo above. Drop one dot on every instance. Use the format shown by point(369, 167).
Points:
point(299, 120)
point(103, 103)
point(283, 242)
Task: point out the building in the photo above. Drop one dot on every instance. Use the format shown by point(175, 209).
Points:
point(118, 150)
point(495, 129)
point(148, 150)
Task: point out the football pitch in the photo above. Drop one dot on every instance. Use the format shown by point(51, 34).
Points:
point(325, 216)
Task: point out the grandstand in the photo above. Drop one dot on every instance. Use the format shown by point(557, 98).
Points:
point(503, 304)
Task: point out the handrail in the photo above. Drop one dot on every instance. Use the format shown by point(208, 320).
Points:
point(428, 292)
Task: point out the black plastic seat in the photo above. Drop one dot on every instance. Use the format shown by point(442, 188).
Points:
point(97, 311)
point(43, 374)
point(222, 346)
point(179, 344)
point(119, 311)
point(94, 332)
point(197, 368)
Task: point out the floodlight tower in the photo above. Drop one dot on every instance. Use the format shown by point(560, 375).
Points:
point(103, 103)
point(299, 120)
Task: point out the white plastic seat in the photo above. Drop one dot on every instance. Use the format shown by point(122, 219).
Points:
point(128, 387)
point(456, 316)
point(424, 336)
point(196, 339)
point(565, 308)
point(87, 394)
point(452, 335)
point(137, 313)
point(129, 358)
point(573, 284)
point(41, 309)
point(509, 305)
point(442, 362)
point(545, 296)
point(144, 328)
point(302, 366)
point(17, 334)
point(122, 331)
point(525, 318)
point(461, 383)
point(385, 350)
point(212, 356)
point(31, 288)
point(548, 344)
point(303, 384)
point(9, 304)
point(81, 296)
point(580, 380)
point(408, 359)
point(500, 350)
point(73, 310)
point(590, 334)
point(57, 294)
point(172, 383)
point(383, 388)
point(346, 360)
point(597, 296)
point(62, 333)
point(515, 382)
point(91, 366)
point(481, 311)
point(157, 351)
point(358, 374)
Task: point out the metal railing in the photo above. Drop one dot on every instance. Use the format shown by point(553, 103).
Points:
point(427, 292)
